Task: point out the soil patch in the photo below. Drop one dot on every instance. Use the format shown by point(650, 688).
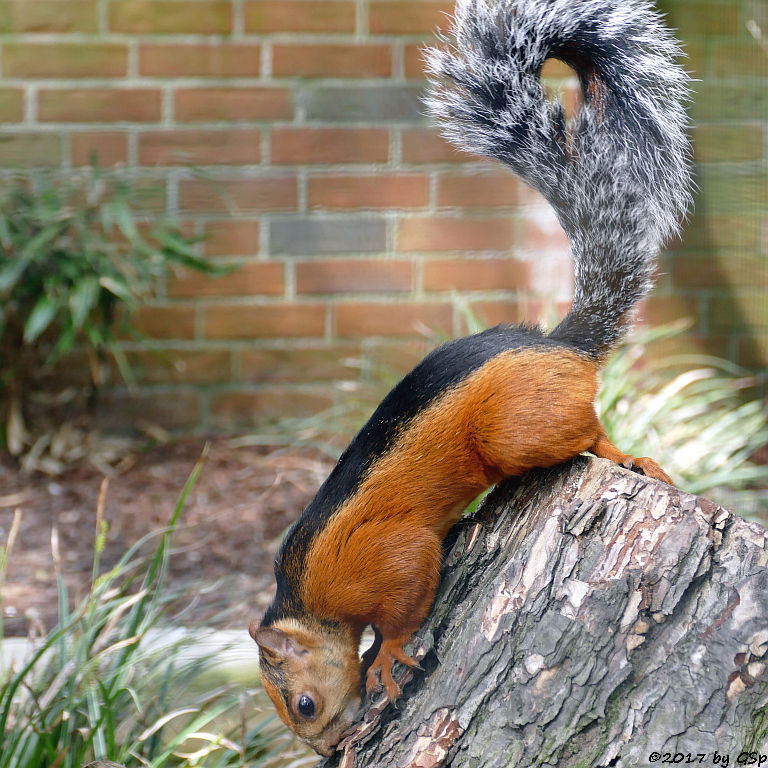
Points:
point(223, 549)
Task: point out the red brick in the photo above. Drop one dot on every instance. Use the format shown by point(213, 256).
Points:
point(426, 146)
point(228, 104)
point(200, 60)
point(19, 16)
point(409, 17)
point(233, 195)
point(543, 233)
point(706, 18)
point(164, 322)
point(716, 271)
point(311, 146)
point(99, 105)
point(568, 93)
point(107, 148)
point(478, 190)
point(414, 61)
point(697, 56)
point(158, 17)
point(260, 278)
point(235, 321)
point(661, 310)
point(64, 60)
point(340, 276)
point(181, 366)
point(721, 189)
point(719, 346)
point(266, 16)
point(719, 231)
point(451, 234)
point(236, 410)
point(494, 312)
point(350, 192)
point(361, 399)
point(529, 196)
point(297, 60)
point(288, 364)
point(476, 274)
point(153, 194)
point(388, 361)
point(399, 319)
point(232, 238)
point(11, 105)
point(29, 149)
point(689, 343)
point(195, 147)
point(739, 309)
point(733, 142)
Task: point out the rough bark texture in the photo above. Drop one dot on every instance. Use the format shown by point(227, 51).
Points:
point(586, 617)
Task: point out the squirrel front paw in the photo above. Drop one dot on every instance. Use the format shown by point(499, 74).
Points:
point(390, 651)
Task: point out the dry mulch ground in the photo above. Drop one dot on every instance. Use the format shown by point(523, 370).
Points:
point(223, 550)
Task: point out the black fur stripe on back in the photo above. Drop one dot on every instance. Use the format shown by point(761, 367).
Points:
point(443, 368)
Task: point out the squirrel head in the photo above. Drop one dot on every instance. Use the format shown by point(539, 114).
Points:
point(312, 675)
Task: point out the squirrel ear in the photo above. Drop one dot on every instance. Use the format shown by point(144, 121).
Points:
point(276, 642)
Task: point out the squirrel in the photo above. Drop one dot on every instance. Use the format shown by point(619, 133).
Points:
point(367, 550)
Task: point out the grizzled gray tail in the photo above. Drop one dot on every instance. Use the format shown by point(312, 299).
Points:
point(617, 174)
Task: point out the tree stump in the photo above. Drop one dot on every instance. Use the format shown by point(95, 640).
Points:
point(586, 616)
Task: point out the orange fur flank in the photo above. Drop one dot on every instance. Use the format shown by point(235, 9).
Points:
point(378, 560)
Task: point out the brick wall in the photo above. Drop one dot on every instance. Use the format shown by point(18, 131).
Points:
point(290, 133)
point(718, 275)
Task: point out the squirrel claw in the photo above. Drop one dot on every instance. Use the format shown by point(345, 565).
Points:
point(401, 656)
point(648, 468)
point(605, 449)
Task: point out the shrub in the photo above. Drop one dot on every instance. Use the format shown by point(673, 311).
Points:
point(76, 255)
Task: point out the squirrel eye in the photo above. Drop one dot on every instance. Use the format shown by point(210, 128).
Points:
point(305, 706)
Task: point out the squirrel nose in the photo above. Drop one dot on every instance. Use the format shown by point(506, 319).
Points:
point(321, 746)
point(252, 627)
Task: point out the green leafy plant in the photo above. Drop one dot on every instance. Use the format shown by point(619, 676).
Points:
point(77, 254)
point(112, 683)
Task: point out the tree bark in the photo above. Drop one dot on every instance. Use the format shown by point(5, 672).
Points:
point(586, 617)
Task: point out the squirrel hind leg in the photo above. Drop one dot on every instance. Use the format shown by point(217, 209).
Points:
point(603, 448)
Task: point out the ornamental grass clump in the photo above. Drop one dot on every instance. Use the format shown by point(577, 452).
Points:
point(697, 415)
point(115, 682)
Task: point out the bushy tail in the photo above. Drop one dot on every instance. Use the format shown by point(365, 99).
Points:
point(617, 174)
